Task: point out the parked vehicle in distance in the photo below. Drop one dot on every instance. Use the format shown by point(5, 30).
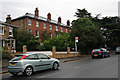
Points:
point(28, 63)
point(100, 53)
point(117, 51)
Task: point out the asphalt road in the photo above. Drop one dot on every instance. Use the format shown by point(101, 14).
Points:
point(87, 68)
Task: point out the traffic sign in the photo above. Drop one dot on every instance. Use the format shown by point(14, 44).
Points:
point(76, 39)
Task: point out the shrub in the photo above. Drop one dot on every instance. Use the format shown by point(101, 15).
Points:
point(6, 55)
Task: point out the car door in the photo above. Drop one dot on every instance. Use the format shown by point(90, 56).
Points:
point(33, 60)
point(44, 61)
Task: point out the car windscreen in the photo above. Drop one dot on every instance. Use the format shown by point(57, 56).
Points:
point(96, 50)
point(17, 57)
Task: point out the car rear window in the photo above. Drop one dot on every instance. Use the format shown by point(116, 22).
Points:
point(96, 50)
point(17, 57)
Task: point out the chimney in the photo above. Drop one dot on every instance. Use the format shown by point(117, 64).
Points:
point(36, 12)
point(59, 19)
point(8, 19)
point(49, 16)
point(68, 23)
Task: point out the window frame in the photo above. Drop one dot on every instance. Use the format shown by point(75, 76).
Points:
point(13, 43)
point(29, 22)
point(50, 27)
point(42, 54)
point(37, 24)
point(3, 29)
point(51, 35)
point(56, 28)
point(11, 31)
point(37, 34)
point(44, 25)
point(29, 30)
point(28, 57)
point(61, 29)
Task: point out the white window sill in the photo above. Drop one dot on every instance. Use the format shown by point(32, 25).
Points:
point(37, 26)
point(37, 36)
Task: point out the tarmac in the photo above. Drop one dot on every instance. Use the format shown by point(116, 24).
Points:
point(63, 60)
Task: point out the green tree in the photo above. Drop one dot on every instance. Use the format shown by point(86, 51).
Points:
point(83, 13)
point(23, 37)
point(45, 35)
point(61, 42)
point(89, 35)
point(110, 27)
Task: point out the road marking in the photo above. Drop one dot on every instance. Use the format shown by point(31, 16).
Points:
point(4, 73)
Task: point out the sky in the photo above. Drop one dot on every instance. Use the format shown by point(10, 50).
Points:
point(58, 8)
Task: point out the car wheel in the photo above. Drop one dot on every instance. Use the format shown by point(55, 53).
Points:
point(28, 71)
point(55, 66)
point(14, 74)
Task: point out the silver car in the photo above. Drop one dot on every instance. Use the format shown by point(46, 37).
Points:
point(28, 63)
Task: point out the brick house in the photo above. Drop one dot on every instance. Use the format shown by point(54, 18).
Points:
point(37, 24)
point(6, 35)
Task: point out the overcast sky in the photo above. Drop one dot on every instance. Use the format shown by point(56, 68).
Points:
point(64, 8)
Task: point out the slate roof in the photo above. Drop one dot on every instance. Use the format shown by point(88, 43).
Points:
point(42, 19)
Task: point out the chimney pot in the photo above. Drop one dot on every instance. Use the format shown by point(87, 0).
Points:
point(68, 23)
point(8, 19)
point(49, 16)
point(59, 19)
point(36, 12)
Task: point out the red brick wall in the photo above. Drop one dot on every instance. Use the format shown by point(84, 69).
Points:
point(23, 24)
point(20, 23)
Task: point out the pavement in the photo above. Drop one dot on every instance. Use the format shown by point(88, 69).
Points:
point(63, 60)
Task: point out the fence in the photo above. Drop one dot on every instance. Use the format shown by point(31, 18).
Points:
point(53, 53)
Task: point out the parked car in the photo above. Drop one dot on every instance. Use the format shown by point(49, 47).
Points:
point(28, 63)
point(117, 50)
point(100, 53)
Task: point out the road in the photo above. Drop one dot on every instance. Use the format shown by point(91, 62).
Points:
point(86, 68)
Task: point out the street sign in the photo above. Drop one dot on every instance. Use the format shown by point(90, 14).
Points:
point(76, 39)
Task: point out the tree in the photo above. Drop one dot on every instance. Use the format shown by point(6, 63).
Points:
point(110, 27)
point(23, 37)
point(82, 13)
point(45, 35)
point(61, 42)
point(89, 35)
